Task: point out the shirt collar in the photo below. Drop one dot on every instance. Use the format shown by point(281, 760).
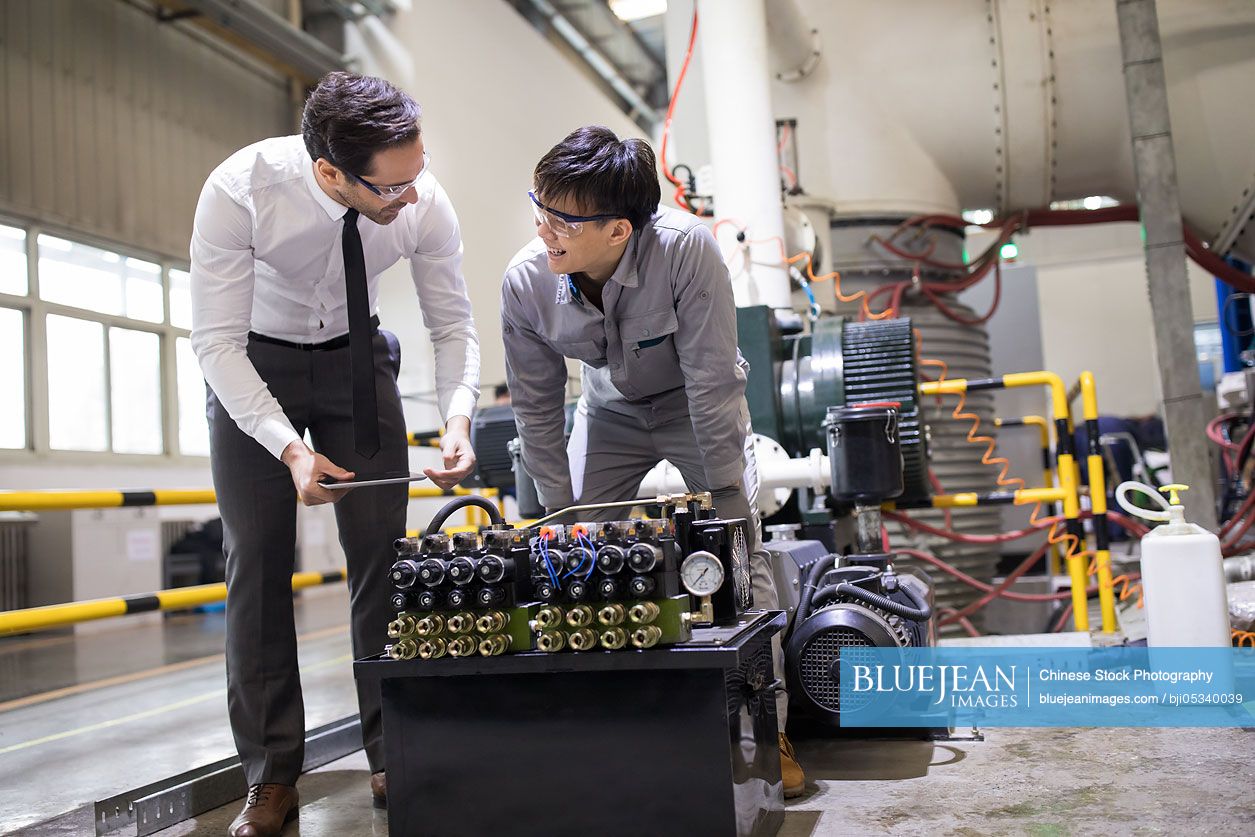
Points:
point(625, 273)
point(335, 210)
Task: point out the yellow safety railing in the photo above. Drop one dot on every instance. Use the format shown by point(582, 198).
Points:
point(180, 598)
point(1048, 472)
point(55, 499)
point(1066, 465)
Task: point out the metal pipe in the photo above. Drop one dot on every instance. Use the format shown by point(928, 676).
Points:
point(596, 60)
point(180, 598)
point(661, 500)
point(1154, 165)
point(743, 152)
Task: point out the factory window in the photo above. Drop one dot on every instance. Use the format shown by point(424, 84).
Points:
point(12, 260)
point(135, 391)
point(104, 333)
point(77, 414)
point(193, 427)
point(12, 379)
point(180, 298)
point(83, 276)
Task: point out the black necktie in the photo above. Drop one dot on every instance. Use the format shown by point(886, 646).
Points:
point(361, 353)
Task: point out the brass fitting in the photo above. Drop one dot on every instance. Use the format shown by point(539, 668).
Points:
point(643, 612)
point(611, 615)
point(491, 646)
point(403, 625)
point(491, 622)
point(550, 641)
point(461, 623)
point(613, 639)
point(583, 639)
point(579, 616)
point(549, 617)
point(432, 649)
point(463, 646)
point(429, 625)
point(647, 636)
point(406, 649)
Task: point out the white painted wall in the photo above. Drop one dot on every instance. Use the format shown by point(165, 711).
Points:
point(1095, 312)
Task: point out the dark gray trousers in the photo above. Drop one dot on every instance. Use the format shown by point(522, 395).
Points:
point(257, 502)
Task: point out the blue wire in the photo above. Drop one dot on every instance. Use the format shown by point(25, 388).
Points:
point(592, 551)
point(544, 553)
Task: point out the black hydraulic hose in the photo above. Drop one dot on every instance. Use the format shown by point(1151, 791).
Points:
point(811, 572)
point(915, 614)
point(494, 513)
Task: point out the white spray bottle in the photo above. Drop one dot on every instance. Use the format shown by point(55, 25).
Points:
point(1182, 575)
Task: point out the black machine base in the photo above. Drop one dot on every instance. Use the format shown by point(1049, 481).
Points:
point(676, 740)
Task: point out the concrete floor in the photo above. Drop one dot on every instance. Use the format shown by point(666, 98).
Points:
point(58, 755)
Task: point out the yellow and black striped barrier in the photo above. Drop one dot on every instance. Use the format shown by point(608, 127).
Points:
point(1047, 463)
point(180, 598)
point(56, 499)
point(1098, 500)
point(425, 439)
point(1065, 465)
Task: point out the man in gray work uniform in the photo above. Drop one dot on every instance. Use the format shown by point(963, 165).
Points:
point(641, 296)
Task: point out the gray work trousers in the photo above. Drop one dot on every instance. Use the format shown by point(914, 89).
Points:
point(257, 502)
point(611, 452)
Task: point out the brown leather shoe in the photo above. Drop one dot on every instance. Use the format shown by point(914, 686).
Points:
point(791, 775)
point(379, 789)
point(266, 810)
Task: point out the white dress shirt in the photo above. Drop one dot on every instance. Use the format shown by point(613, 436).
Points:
point(266, 257)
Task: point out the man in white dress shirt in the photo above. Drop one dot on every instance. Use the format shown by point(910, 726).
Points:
point(290, 237)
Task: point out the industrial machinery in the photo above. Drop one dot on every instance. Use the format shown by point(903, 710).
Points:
point(840, 603)
point(634, 583)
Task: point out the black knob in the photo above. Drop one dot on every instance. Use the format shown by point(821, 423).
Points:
point(576, 590)
point(428, 600)
point(400, 601)
point(643, 557)
point(461, 570)
point(641, 586)
point(610, 559)
point(609, 588)
point(491, 569)
point(490, 596)
point(404, 573)
point(458, 597)
point(545, 591)
point(431, 571)
point(579, 560)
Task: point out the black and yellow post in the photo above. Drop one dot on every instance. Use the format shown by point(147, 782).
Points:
point(1098, 501)
point(1065, 462)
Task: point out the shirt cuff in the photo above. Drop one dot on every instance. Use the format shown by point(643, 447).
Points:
point(275, 434)
point(725, 475)
point(461, 404)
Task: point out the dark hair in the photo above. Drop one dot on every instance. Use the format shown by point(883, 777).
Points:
point(604, 174)
point(500, 390)
point(349, 117)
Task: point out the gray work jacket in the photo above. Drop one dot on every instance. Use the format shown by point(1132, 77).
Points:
point(664, 348)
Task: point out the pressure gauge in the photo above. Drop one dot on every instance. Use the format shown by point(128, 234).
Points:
point(701, 573)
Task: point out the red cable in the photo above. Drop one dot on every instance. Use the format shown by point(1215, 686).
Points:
point(1025, 566)
point(666, 126)
point(982, 586)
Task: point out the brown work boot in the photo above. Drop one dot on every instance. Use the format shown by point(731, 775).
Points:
point(791, 775)
point(379, 789)
point(267, 808)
